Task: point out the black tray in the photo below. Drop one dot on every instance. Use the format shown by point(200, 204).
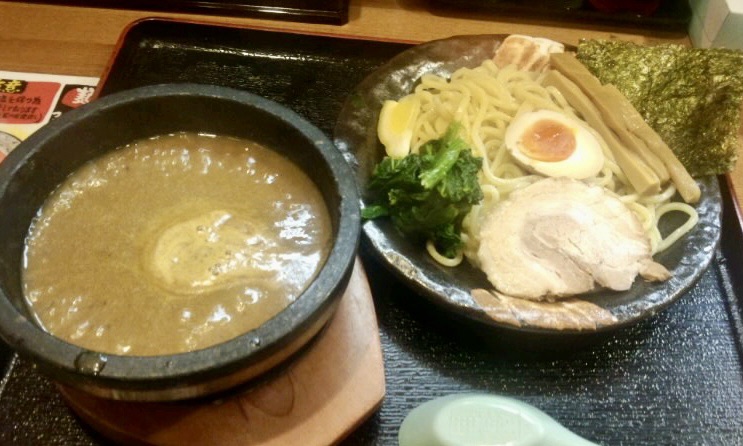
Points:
point(675, 379)
point(670, 15)
point(334, 12)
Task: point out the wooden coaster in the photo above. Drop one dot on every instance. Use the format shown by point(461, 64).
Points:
point(318, 399)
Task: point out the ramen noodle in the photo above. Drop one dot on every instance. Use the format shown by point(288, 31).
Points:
point(484, 100)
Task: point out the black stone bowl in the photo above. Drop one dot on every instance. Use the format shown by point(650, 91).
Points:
point(46, 158)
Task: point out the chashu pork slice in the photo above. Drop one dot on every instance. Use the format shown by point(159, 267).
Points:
point(527, 53)
point(560, 237)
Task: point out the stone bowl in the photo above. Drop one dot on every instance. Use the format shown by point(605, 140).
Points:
point(46, 158)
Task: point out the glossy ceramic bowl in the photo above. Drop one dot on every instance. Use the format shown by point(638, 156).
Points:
point(45, 159)
point(450, 289)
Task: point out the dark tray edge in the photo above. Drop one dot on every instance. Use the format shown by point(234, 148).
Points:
point(132, 26)
point(669, 17)
point(731, 262)
point(732, 220)
point(338, 16)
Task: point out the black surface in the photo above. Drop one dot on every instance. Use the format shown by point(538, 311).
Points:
point(669, 15)
point(674, 379)
point(333, 12)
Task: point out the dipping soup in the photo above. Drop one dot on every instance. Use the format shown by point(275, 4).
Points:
point(173, 244)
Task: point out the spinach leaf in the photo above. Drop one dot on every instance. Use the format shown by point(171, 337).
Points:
point(428, 194)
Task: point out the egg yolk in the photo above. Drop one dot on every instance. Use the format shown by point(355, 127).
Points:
point(548, 140)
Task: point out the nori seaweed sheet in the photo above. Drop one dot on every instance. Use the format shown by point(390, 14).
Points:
point(691, 96)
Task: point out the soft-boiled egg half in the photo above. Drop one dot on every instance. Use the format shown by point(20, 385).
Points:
point(395, 125)
point(554, 144)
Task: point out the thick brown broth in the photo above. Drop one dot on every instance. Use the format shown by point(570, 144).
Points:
point(173, 244)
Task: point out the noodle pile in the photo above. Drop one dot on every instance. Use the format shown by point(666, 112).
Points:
point(484, 100)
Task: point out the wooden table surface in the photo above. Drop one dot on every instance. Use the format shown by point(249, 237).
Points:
point(80, 41)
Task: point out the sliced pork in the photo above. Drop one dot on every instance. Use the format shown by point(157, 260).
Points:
point(526, 52)
point(560, 237)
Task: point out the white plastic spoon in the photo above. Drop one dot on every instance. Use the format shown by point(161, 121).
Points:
point(483, 420)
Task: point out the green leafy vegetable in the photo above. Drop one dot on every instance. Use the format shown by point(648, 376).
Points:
point(428, 194)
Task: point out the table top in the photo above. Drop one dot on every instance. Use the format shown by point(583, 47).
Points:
point(81, 41)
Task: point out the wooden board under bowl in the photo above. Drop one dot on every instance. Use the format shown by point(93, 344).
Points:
point(327, 391)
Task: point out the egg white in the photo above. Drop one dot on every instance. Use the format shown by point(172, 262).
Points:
point(586, 161)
